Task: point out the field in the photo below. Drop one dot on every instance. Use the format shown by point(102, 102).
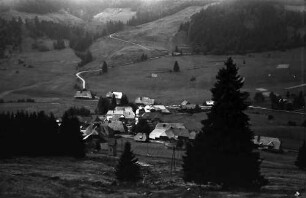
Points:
point(46, 74)
point(170, 87)
point(94, 177)
point(114, 14)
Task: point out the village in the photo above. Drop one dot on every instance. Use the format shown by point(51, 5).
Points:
point(141, 121)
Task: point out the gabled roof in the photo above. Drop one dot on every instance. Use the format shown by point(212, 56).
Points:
point(118, 95)
point(144, 101)
point(161, 129)
point(83, 94)
point(264, 141)
point(101, 130)
point(117, 126)
point(185, 102)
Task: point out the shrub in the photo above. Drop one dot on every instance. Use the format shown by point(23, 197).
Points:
point(291, 123)
point(301, 158)
point(192, 78)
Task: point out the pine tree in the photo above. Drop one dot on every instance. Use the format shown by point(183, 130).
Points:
point(143, 127)
point(124, 100)
point(103, 106)
point(127, 169)
point(104, 67)
point(223, 151)
point(113, 103)
point(301, 158)
point(176, 67)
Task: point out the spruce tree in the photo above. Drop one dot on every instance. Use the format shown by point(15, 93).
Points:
point(104, 67)
point(301, 158)
point(223, 151)
point(103, 106)
point(124, 100)
point(127, 169)
point(176, 67)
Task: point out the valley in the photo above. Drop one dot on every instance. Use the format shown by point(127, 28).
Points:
point(52, 78)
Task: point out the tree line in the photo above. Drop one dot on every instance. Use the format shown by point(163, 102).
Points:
point(38, 134)
point(246, 26)
point(10, 35)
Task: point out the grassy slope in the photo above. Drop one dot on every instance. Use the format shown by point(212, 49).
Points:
point(92, 177)
point(159, 33)
point(172, 87)
point(52, 74)
point(115, 14)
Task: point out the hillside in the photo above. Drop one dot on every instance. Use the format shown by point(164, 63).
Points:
point(56, 17)
point(245, 26)
point(43, 74)
point(114, 14)
point(160, 32)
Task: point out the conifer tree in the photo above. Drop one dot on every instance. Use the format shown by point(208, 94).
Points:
point(127, 169)
point(104, 67)
point(223, 151)
point(103, 106)
point(301, 158)
point(113, 103)
point(176, 67)
point(124, 100)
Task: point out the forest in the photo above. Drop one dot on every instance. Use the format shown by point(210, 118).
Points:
point(38, 134)
point(246, 26)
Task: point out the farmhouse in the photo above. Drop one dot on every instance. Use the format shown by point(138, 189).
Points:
point(169, 130)
point(267, 143)
point(83, 94)
point(144, 101)
point(100, 130)
point(121, 113)
point(117, 126)
point(118, 96)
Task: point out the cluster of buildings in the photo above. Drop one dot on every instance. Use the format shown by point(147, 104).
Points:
point(103, 129)
point(123, 119)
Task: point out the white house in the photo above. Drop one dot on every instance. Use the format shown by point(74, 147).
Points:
point(118, 96)
point(169, 130)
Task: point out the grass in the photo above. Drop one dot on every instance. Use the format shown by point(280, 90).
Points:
point(52, 74)
point(94, 176)
point(170, 87)
point(114, 14)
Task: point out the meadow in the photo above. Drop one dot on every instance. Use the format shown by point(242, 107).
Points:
point(258, 69)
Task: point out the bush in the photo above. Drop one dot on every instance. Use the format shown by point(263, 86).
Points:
point(301, 158)
point(73, 111)
point(291, 123)
point(192, 78)
point(304, 123)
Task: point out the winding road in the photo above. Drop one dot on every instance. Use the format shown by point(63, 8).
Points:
point(112, 36)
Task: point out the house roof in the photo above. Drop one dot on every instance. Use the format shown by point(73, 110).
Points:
point(161, 129)
point(185, 102)
point(117, 126)
point(144, 100)
point(83, 94)
point(126, 112)
point(97, 129)
point(161, 108)
point(118, 95)
point(275, 143)
point(282, 66)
